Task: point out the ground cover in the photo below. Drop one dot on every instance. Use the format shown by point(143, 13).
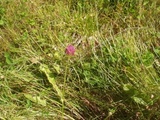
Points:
point(79, 60)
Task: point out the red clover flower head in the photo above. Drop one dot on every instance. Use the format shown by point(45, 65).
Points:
point(70, 50)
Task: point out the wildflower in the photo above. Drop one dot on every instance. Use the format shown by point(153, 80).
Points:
point(70, 50)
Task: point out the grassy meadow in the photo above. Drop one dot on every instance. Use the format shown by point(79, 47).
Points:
point(114, 73)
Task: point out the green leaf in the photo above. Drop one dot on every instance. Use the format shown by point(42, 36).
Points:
point(130, 90)
point(157, 51)
point(145, 2)
point(112, 111)
point(8, 58)
point(57, 68)
point(87, 66)
point(1, 22)
point(158, 33)
point(35, 99)
point(57, 56)
point(139, 100)
point(44, 68)
point(148, 58)
point(126, 87)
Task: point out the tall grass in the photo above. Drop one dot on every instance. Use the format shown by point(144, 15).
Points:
point(114, 74)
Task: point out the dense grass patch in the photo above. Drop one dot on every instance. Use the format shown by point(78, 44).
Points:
point(114, 73)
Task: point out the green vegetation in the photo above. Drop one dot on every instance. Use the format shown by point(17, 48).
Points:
point(113, 75)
